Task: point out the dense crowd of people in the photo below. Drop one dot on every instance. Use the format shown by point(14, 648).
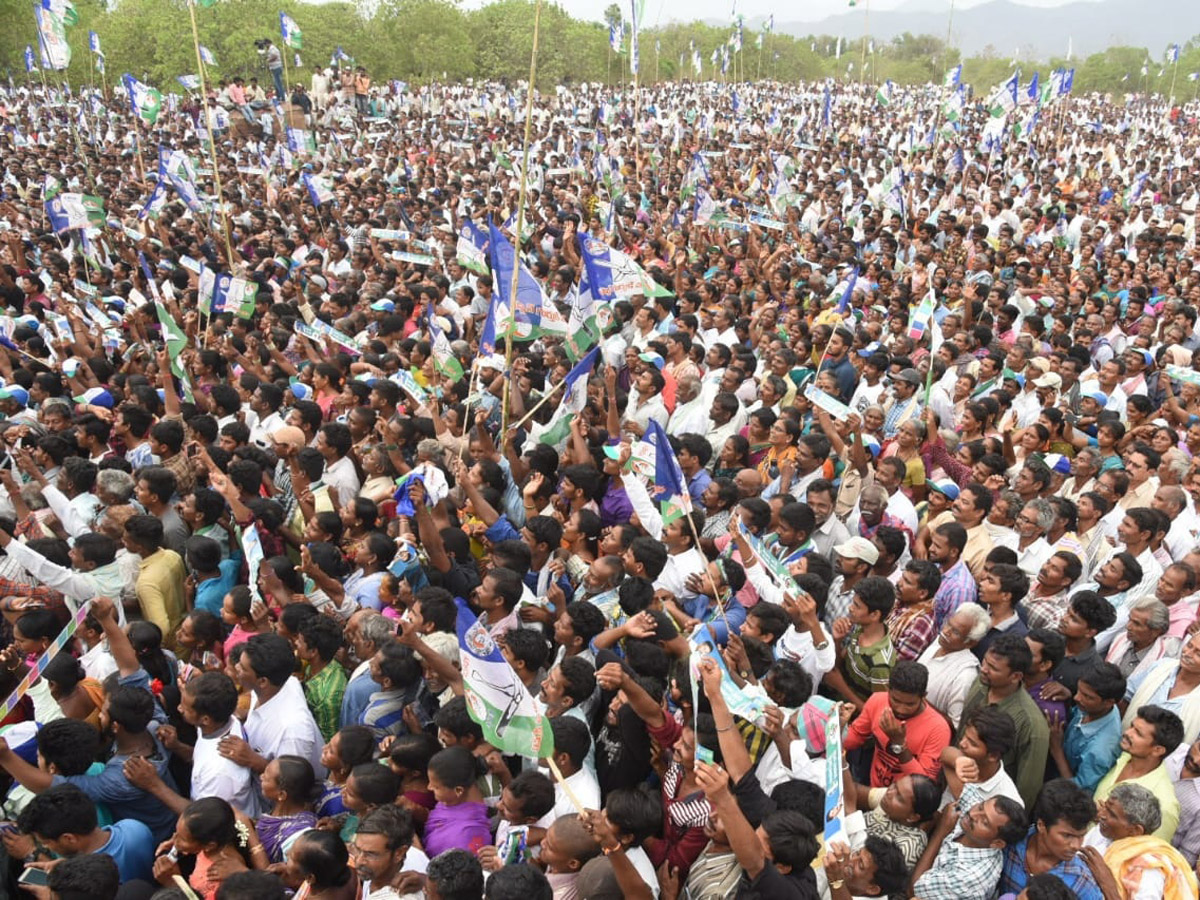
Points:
point(932, 394)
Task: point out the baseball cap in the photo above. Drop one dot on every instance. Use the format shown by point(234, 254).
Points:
point(870, 349)
point(871, 444)
point(300, 390)
point(858, 548)
point(946, 488)
point(1049, 380)
point(383, 306)
point(319, 280)
point(1099, 396)
point(288, 434)
point(15, 392)
point(912, 376)
point(1010, 375)
point(654, 358)
point(612, 451)
point(96, 396)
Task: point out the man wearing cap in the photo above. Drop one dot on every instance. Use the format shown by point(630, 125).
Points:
point(14, 406)
point(904, 404)
point(853, 561)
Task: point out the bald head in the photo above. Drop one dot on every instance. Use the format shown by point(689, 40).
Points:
point(749, 483)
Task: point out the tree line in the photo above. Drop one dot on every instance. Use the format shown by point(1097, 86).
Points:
point(418, 41)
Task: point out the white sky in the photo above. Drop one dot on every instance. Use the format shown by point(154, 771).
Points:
point(660, 12)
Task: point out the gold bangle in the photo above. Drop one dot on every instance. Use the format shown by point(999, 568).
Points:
point(834, 885)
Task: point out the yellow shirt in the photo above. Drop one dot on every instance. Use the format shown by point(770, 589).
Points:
point(1157, 782)
point(160, 592)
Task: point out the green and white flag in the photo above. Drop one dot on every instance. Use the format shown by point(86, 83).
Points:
point(558, 429)
point(64, 9)
point(146, 101)
point(1004, 98)
point(292, 36)
point(176, 343)
point(883, 95)
point(70, 211)
point(52, 39)
point(443, 356)
point(497, 700)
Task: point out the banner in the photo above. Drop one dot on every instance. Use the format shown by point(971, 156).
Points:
point(35, 671)
point(835, 807)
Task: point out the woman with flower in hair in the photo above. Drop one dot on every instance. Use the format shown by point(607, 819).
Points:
point(222, 842)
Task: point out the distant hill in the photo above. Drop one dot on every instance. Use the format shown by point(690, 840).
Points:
point(1005, 26)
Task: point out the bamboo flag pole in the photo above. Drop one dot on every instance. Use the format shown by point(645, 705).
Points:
point(520, 224)
point(212, 139)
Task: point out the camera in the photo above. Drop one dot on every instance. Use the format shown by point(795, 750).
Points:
point(261, 44)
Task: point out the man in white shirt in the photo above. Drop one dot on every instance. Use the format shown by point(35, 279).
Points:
point(279, 722)
point(645, 402)
point(334, 443)
point(691, 411)
point(571, 745)
point(208, 702)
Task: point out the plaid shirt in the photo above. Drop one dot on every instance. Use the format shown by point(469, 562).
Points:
point(912, 629)
point(324, 694)
point(960, 872)
point(958, 587)
point(1074, 873)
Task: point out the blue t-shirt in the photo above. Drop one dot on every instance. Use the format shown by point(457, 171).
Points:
point(131, 845)
point(210, 594)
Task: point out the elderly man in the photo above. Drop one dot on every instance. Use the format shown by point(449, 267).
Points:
point(904, 404)
point(691, 413)
point(1144, 640)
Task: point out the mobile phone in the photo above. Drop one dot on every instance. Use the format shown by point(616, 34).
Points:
point(704, 755)
point(35, 877)
point(9, 828)
point(210, 660)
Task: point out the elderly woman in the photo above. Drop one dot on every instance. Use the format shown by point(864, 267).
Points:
point(1126, 860)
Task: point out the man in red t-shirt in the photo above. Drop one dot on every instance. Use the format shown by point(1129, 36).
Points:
point(909, 733)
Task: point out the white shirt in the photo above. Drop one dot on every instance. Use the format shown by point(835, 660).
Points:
point(950, 677)
point(689, 418)
point(902, 508)
point(1031, 558)
point(215, 776)
point(645, 868)
point(586, 789)
point(999, 785)
point(341, 477)
point(284, 725)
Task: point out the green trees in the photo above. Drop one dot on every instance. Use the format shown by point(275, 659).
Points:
point(424, 40)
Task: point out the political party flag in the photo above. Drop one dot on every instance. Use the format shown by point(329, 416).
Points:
point(30, 65)
point(848, 293)
point(206, 57)
point(145, 100)
point(706, 207)
point(668, 487)
point(636, 18)
point(758, 41)
point(292, 36)
point(1031, 94)
point(155, 202)
point(953, 76)
point(1068, 82)
point(71, 211)
point(1004, 98)
point(883, 95)
point(100, 63)
point(189, 82)
point(497, 699)
point(64, 9)
point(955, 165)
point(173, 337)
point(769, 26)
point(1195, 76)
point(471, 251)
point(1173, 53)
point(525, 309)
point(614, 38)
point(50, 187)
point(921, 316)
point(827, 109)
point(94, 42)
point(52, 39)
point(443, 356)
point(318, 189)
point(574, 399)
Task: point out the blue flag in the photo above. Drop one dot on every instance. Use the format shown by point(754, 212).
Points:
point(30, 65)
point(844, 303)
point(525, 309)
point(669, 486)
point(94, 42)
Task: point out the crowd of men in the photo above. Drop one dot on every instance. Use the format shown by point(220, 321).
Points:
point(932, 394)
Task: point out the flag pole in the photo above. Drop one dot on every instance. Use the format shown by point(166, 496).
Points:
point(212, 145)
point(1174, 73)
point(529, 415)
point(520, 223)
point(937, 115)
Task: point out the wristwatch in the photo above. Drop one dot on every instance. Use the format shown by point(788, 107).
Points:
point(896, 748)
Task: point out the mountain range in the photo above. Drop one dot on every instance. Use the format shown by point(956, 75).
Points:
point(1002, 26)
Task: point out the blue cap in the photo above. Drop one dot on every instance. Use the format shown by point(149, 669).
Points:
point(300, 390)
point(15, 392)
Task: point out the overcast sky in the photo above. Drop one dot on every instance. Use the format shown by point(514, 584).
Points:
point(660, 12)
